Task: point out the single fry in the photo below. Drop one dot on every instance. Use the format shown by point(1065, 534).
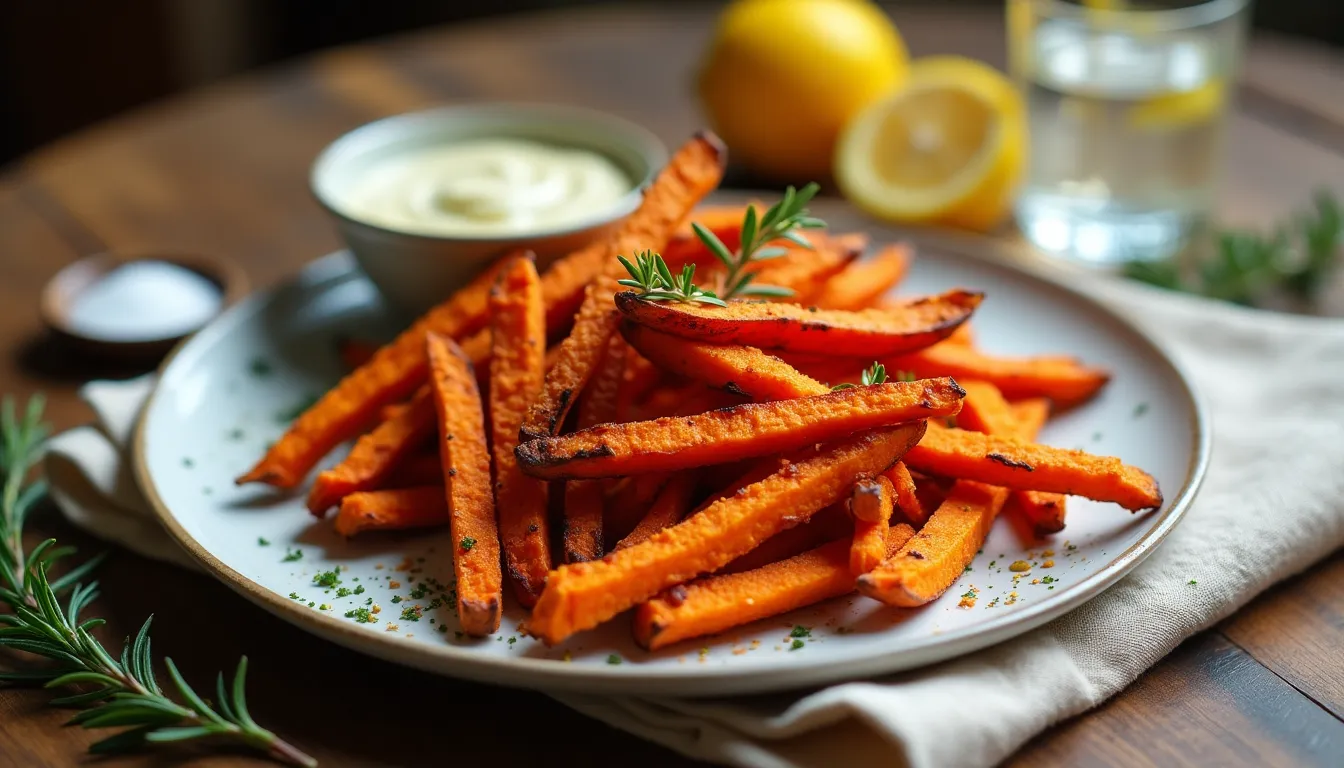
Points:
point(986, 410)
point(1062, 379)
point(745, 371)
point(579, 355)
point(862, 283)
point(735, 433)
point(395, 510)
point(376, 454)
point(517, 360)
point(393, 373)
point(466, 471)
point(582, 534)
point(669, 507)
point(717, 603)
point(871, 499)
point(1030, 467)
point(868, 333)
point(870, 504)
point(580, 596)
point(1044, 512)
point(868, 548)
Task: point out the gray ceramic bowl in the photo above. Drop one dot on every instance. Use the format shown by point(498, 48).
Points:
point(415, 271)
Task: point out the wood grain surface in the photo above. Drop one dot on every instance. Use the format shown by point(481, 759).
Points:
point(224, 171)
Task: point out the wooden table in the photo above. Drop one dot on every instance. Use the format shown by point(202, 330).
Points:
point(224, 171)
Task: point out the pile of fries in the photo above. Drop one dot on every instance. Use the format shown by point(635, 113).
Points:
point(687, 455)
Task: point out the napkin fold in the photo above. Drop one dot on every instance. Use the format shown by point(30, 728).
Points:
point(1270, 507)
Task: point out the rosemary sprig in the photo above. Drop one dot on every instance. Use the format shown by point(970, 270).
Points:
point(111, 692)
point(653, 279)
point(782, 221)
point(1298, 259)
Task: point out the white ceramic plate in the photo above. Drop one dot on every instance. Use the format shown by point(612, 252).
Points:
point(229, 391)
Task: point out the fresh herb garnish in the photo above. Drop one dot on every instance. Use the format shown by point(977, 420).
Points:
point(653, 279)
point(262, 542)
point(782, 221)
point(800, 631)
point(114, 693)
point(361, 615)
point(410, 613)
point(796, 644)
point(1298, 260)
point(613, 659)
point(876, 374)
point(327, 578)
point(467, 543)
point(292, 555)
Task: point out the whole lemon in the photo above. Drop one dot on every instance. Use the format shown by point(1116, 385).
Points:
point(781, 79)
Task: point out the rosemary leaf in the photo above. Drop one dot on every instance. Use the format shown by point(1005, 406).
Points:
point(123, 693)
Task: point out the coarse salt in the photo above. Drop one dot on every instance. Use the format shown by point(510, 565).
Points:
point(144, 300)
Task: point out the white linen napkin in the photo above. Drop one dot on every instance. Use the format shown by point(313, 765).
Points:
point(1270, 507)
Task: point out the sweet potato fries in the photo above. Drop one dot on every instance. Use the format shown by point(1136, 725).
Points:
point(870, 332)
point(706, 460)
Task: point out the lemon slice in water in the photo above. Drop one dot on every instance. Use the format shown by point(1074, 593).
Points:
point(948, 148)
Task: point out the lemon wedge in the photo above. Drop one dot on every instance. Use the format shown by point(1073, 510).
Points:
point(948, 148)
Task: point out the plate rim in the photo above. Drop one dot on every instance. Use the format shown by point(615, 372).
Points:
point(550, 675)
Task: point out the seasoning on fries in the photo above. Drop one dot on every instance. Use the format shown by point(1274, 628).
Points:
point(738, 450)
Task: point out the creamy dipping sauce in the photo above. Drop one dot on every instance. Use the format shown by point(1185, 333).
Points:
point(484, 187)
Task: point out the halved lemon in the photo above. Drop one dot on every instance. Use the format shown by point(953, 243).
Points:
point(947, 148)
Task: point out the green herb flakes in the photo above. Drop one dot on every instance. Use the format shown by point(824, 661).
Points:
point(327, 578)
point(361, 615)
point(796, 644)
point(467, 543)
point(292, 555)
point(613, 659)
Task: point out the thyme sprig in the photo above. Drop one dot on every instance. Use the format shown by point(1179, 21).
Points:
point(1298, 259)
point(653, 279)
point(111, 692)
point(875, 374)
point(782, 221)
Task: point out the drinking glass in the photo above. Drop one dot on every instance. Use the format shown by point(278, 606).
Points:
point(1127, 105)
